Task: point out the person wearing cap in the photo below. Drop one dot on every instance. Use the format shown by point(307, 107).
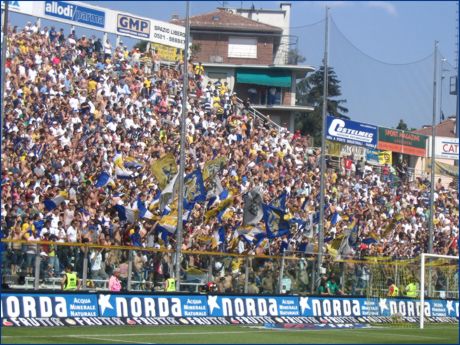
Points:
point(114, 281)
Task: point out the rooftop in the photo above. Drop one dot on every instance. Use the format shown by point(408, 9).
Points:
point(443, 129)
point(223, 20)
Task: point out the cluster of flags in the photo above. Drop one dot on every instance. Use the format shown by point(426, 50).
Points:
point(261, 221)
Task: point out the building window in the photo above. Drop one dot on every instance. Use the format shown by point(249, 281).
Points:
point(242, 47)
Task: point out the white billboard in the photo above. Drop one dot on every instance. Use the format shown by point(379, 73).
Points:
point(103, 19)
point(445, 148)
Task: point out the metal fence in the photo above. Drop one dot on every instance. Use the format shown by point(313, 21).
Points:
point(40, 265)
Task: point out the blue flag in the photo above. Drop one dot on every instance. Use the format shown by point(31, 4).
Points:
point(280, 202)
point(103, 180)
point(126, 214)
point(275, 224)
point(194, 189)
point(335, 218)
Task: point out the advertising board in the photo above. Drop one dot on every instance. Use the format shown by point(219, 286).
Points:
point(76, 13)
point(402, 142)
point(351, 132)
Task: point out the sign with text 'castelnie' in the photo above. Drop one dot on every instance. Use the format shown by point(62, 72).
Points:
point(351, 132)
point(402, 142)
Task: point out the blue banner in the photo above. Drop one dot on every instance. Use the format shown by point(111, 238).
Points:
point(75, 13)
point(319, 306)
point(152, 306)
point(253, 306)
point(49, 305)
point(351, 132)
point(372, 156)
point(101, 305)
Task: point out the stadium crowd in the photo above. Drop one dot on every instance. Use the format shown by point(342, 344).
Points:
point(76, 108)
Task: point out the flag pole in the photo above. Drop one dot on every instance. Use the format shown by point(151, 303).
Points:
point(323, 149)
point(180, 208)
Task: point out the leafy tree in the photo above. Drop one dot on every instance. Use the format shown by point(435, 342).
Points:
point(310, 92)
point(402, 126)
point(142, 45)
point(294, 57)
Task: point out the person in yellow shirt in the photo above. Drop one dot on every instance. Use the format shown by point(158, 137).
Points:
point(224, 89)
point(92, 85)
point(199, 71)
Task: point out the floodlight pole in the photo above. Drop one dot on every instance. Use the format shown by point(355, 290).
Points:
point(180, 208)
point(433, 158)
point(323, 149)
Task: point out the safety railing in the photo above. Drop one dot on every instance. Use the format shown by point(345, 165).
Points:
point(258, 115)
point(41, 265)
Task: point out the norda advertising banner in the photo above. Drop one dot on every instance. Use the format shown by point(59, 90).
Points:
point(105, 306)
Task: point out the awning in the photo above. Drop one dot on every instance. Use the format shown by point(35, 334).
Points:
point(280, 78)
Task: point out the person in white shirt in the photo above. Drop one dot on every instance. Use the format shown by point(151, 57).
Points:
point(97, 266)
point(107, 49)
point(72, 232)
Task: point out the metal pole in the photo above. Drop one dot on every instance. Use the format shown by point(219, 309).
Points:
point(85, 267)
point(422, 291)
point(130, 270)
point(433, 158)
point(246, 275)
point(440, 94)
point(280, 278)
point(323, 149)
point(4, 48)
point(180, 209)
point(37, 267)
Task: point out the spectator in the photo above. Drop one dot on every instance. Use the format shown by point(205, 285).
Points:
point(114, 281)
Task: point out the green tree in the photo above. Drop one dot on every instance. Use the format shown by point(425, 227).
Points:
point(402, 126)
point(142, 45)
point(310, 92)
point(294, 57)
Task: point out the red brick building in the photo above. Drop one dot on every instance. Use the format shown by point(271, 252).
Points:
point(248, 48)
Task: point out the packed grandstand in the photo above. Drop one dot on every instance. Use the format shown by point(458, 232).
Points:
point(90, 150)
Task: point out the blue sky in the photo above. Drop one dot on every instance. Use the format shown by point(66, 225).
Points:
point(373, 45)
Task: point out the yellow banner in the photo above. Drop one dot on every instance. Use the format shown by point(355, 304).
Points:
point(212, 167)
point(167, 53)
point(164, 169)
point(385, 157)
point(333, 148)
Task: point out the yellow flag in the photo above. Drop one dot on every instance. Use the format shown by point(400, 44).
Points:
point(212, 167)
point(385, 157)
point(164, 169)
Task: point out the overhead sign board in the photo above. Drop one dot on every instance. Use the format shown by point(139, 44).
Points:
point(351, 132)
point(402, 142)
point(75, 13)
point(105, 20)
point(132, 25)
